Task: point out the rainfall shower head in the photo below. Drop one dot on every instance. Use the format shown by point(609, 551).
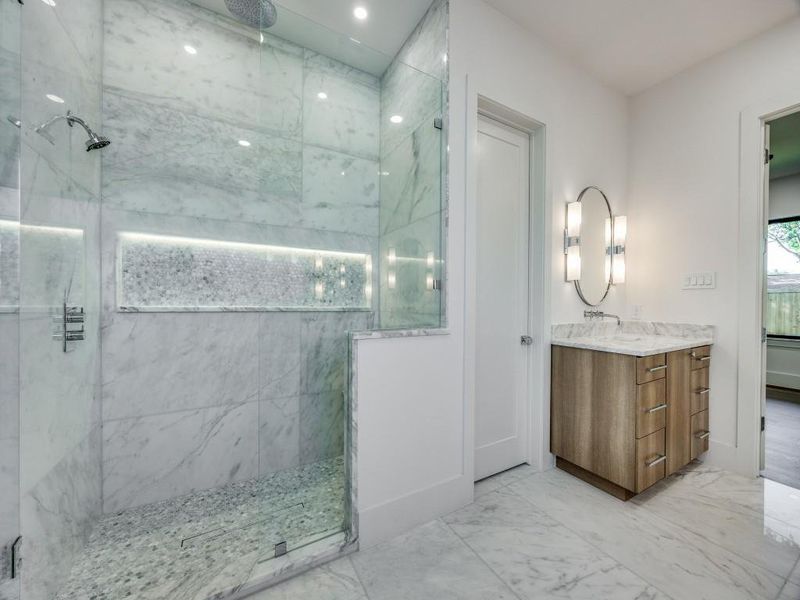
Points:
point(260, 14)
point(95, 142)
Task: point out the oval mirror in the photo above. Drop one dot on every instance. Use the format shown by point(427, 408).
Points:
point(595, 245)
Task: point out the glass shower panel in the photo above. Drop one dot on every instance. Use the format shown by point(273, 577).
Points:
point(10, 115)
point(412, 147)
point(59, 290)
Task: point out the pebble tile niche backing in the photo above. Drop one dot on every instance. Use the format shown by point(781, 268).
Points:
point(157, 272)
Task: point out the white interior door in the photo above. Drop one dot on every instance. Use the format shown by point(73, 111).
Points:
point(502, 307)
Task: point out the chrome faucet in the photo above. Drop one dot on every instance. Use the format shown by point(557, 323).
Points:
point(599, 314)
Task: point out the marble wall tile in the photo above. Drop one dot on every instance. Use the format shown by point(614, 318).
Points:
point(10, 106)
point(347, 120)
point(174, 162)
point(322, 423)
point(9, 377)
point(414, 96)
point(9, 263)
point(340, 192)
point(9, 502)
point(159, 363)
point(323, 348)
point(426, 47)
point(281, 362)
point(57, 515)
point(232, 77)
point(334, 581)
point(278, 434)
point(147, 459)
point(410, 303)
point(411, 181)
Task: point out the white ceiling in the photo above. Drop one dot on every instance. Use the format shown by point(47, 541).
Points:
point(388, 25)
point(634, 44)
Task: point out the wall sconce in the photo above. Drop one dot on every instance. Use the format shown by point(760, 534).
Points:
point(572, 241)
point(609, 246)
point(620, 238)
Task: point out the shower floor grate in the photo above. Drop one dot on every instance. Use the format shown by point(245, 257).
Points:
point(198, 546)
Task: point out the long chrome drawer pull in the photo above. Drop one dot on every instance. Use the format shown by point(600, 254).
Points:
point(703, 391)
point(657, 408)
point(656, 369)
point(702, 358)
point(704, 435)
point(657, 461)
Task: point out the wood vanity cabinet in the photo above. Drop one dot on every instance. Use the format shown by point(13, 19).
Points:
point(623, 422)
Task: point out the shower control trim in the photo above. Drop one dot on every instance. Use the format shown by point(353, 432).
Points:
point(65, 322)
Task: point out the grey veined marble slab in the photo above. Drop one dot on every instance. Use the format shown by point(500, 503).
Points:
point(636, 338)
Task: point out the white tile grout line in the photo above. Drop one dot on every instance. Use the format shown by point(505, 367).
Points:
point(480, 558)
point(358, 576)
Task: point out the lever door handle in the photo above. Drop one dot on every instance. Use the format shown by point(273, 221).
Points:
point(526, 340)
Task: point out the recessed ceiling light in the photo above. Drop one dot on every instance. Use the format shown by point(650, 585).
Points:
point(322, 96)
point(49, 2)
point(360, 13)
point(244, 143)
point(190, 49)
point(397, 119)
point(354, 40)
point(54, 98)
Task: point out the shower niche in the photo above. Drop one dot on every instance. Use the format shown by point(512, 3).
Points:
point(257, 186)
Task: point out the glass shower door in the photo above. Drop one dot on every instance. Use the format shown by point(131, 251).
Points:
point(59, 290)
point(10, 73)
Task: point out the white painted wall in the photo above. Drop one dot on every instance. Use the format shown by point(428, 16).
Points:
point(684, 186)
point(415, 448)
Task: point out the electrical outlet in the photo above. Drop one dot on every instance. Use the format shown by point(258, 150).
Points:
point(700, 281)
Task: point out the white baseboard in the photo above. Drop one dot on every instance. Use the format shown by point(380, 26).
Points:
point(784, 380)
point(387, 520)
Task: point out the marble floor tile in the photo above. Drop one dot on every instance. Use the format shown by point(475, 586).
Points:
point(790, 591)
point(428, 562)
point(540, 558)
point(677, 561)
point(334, 581)
point(742, 530)
point(501, 480)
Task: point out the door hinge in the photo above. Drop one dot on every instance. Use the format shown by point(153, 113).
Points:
point(763, 335)
point(438, 123)
point(763, 423)
point(767, 156)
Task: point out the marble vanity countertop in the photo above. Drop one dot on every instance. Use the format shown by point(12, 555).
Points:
point(637, 338)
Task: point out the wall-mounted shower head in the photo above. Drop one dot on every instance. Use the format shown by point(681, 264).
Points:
point(95, 142)
point(260, 14)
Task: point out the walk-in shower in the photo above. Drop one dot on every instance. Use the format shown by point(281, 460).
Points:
point(258, 203)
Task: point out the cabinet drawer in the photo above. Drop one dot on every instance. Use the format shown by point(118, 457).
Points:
point(651, 460)
point(651, 407)
point(700, 391)
point(650, 368)
point(700, 433)
point(701, 357)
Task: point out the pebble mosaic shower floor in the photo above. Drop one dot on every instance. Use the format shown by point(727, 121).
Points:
point(206, 544)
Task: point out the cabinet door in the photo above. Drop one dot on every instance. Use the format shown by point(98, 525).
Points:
point(651, 407)
point(679, 400)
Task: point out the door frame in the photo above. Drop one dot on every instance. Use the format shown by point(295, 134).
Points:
point(751, 375)
point(480, 101)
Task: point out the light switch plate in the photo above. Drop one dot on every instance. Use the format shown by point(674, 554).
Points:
point(700, 281)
